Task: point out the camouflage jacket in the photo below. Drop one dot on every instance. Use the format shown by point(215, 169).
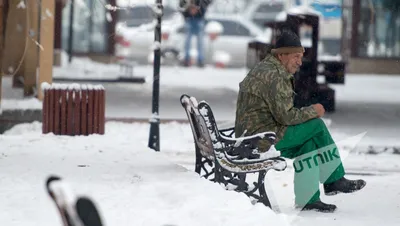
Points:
point(265, 102)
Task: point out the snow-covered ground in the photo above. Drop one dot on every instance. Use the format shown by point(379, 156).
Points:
point(133, 185)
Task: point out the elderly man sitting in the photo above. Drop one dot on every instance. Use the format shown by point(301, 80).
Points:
point(265, 103)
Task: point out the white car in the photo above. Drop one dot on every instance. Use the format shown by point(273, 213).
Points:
point(134, 34)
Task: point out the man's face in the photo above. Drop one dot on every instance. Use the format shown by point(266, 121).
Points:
point(291, 61)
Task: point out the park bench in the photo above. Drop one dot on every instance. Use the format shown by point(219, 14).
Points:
point(224, 159)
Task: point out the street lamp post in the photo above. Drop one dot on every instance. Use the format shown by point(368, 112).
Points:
point(154, 137)
point(71, 30)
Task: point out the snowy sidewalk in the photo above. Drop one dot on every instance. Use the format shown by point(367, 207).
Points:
point(133, 185)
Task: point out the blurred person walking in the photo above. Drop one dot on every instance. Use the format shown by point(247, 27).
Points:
point(193, 12)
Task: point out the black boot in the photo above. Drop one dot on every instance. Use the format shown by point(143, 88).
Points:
point(318, 206)
point(343, 185)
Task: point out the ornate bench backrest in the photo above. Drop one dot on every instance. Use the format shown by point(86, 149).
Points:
point(200, 132)
point(220, 141)
point(206, 112)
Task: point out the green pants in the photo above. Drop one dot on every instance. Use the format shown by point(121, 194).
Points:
point(315, 158)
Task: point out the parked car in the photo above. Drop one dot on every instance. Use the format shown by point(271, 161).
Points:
point(134, 34)
point(136, 43)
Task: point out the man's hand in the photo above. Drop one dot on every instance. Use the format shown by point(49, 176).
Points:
point(319, 109)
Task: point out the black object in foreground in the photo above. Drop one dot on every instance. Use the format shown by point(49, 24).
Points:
point(87, 212)
point(74, 211)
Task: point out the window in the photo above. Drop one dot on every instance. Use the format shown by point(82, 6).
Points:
point(347, 13)
point(267, 12)
point(305, 35)
point(270, 8)
point(330, 46)
point(379, 29)
point(139, 15)
point(89, 29)
point(136, 16)
point(181, 30)
point(232, 28)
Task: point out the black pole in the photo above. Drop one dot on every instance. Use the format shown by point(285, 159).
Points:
point(71, 31)
point(154, 138)
point(91, 8)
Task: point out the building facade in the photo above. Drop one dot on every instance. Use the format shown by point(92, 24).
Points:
point(371, 36)
point(93, 28)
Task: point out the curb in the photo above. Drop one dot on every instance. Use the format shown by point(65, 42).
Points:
point(140, 80)
point(145, 120)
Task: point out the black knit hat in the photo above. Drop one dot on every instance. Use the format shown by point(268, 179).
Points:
point(288, 42)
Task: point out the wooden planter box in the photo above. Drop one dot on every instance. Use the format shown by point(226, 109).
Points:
point(73, 109)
